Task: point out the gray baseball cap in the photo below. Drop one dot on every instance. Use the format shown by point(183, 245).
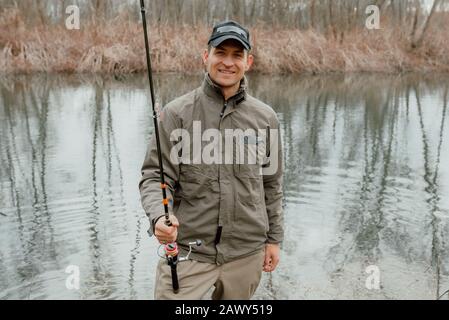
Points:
point(229, 30)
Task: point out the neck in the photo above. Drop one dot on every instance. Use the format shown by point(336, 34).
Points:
point(230, 91)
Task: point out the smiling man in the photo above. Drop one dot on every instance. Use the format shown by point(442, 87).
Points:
point(233, 206)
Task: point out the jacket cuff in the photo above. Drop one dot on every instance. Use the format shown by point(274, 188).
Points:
point(153, 224)
point(274, 238)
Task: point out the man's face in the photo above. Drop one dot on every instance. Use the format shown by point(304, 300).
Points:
point(227, 63)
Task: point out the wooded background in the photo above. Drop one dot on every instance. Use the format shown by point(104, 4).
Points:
point(319, 35)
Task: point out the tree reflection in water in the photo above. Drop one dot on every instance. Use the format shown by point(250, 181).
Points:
point(364, 184)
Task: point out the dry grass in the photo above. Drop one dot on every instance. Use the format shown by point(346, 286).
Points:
point(117, 46)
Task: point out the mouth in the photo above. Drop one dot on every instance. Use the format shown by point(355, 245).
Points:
point(226, 71)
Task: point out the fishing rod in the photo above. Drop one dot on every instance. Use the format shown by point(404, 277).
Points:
point(171, 249)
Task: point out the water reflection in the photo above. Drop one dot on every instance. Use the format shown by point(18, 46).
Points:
point(364, 185)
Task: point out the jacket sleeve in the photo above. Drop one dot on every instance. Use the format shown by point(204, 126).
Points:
point(149, 186)
point(273, 189)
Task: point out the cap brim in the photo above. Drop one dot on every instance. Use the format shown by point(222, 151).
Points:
point(219, 40)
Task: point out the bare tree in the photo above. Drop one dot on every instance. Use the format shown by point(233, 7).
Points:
point(327, 16)
point(418, 41)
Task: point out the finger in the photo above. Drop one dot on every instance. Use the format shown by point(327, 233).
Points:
point(267, 268)
point(174, 221)
point(275, 259)
point(170, 233)
point(168, 237)
point(267, 259)
point(163, 228)
point(164, 236)
point(161, 235)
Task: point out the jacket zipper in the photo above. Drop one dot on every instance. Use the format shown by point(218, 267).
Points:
point(220, 228)
point(224, 108)
point(225, 105)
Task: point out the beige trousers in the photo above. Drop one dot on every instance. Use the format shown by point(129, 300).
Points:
point(237, 279)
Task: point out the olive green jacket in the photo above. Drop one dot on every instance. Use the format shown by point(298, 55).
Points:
point(228, 205)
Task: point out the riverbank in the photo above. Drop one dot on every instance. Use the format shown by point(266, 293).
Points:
point(117, 47)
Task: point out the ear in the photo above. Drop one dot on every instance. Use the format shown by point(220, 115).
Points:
point(205, 56)
point(249, 62)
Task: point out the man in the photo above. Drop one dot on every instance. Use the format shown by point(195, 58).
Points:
point(226, 203)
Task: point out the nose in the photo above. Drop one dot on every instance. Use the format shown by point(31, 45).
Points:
point(227, 61)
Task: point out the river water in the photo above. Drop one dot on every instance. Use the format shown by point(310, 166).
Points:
point(366, 186)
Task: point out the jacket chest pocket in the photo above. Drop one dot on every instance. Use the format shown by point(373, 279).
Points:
point(250, 206)
point(249, 152)
point(248, 194)
point(247, 169)
point(197, 181)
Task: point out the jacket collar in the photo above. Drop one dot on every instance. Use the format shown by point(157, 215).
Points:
point(214, 91)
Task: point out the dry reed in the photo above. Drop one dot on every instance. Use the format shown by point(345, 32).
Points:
point(116, 46)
